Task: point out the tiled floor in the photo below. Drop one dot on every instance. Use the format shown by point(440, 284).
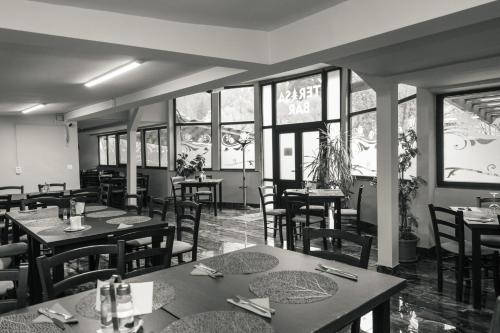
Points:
point(418, 308)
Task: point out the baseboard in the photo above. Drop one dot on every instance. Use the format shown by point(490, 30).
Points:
point(387, 270)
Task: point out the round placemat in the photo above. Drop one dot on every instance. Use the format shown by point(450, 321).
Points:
point(129, 219)
point(45, 223)
point(242, 262)
point(294, 287)
point(163, 294)
point(59, 230)
point(107, 213)
point(220, 321)
point(94, 208)
point(23, 323)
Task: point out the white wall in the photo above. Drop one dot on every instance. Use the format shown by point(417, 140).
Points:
point(88, 150)
point(38, 145)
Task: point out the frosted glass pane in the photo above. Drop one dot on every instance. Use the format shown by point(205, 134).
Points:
point(111, 150)
point(334, 95)
point(123, 148)
point(152, 148)
point(267, 105)
point(237, 104)
point(364, 144)
point(310, 147)
point(231, 151)
point(163, 147)
point(103, 151)
point(194, 108)
point(195, 140)
point(287, 156)
point(267, 145)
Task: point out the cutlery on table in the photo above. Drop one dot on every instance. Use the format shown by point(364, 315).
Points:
point(213, 273)
point(56, 321)
point(254, 305)
point(337, 272)
point(64, 315)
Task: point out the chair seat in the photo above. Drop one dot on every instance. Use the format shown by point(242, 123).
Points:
point(491, 240)
point(348, 212)
point(181, 247)
point(139, 242)
point(5, 263)
point(276, 212)
point(303, 219)
point(5, 286)
point(453, 248)
point(203, 193)
point(13, 249)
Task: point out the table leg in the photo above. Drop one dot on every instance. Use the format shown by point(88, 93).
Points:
point(58, 271)
point(337, 222)
point(476, 268)
point(183, 192)
point(220, 197)
point(34, 275)
point(382, 318)
point(216, 204)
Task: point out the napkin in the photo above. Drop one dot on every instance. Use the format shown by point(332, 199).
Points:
point(259, 301)
point(124, 226)
point(142, 296)
point(56, 307)
point(203, 272)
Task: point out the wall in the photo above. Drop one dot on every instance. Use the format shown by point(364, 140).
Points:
point(38, 145)
point(88, 150)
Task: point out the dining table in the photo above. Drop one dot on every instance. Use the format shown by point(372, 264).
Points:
point(215, 184)
point(45, 229)
point(197, 295)
point(318, 197)
point(480, 221)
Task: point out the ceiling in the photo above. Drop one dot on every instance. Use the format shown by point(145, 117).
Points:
point(54, 72)
point(249, 14)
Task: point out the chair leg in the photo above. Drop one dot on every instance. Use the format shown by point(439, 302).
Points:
point(440, 275)
point(179, 258)
point(358, 226)
point(496, 274)
point(275, 220)
point(460, 281)
point(280, 221)
point(265, 228)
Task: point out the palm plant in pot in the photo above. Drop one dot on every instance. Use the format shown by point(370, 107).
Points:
point(331, 166)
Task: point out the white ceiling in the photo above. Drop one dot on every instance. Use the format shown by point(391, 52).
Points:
point(263, 15)
point(54, 72)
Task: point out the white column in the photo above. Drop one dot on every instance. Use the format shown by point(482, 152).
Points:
point(215, 132)
point(134, 118)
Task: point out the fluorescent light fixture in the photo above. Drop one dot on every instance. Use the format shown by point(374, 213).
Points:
point(113, 73)
point(488, 99)
point(34, 108)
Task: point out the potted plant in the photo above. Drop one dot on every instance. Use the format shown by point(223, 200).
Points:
point(331, 167)
point(187, 168)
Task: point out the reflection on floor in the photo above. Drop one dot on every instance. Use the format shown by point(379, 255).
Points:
point(418, 308)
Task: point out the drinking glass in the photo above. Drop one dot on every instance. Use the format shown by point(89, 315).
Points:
point(494, 205)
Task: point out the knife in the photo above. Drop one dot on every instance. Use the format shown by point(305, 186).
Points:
point(255, 305)
point(56, 321)
point(211, 272)
point(338, 272)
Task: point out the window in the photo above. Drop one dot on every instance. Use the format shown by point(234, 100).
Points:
point(163, 147)
point(112, 149)
point(107, 149)
point(469, 139)
point(267, 131)
point(407, 118)
point(156, 147)
point(237, 125)
point(103, 150)
point(193, 126)
point(122, 147)
point(138, 149)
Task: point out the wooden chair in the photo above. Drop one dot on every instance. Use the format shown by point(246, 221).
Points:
point(18, 278)
point(12, 188)
point(205, 197)
point(158, 206)
point(138, 203)
point(5, 204)
point(451, 228)
point(298, 212)
point(489, 240)
point(184, 211)
point(54, 194)
point(45, 202)
point(157, 256)
point(268, 198)
point(89, 195)
point(53, 289)
point(495, 319)
point(105, 194)
point(177, 190)
point(354, 215)
point(61, 185)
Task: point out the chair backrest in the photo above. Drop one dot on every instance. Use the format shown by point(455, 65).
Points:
point(364, 241)
point(5, 202)
point(358, 202)
point(297, 203)
point(53, 194)
point(158, 206)
point(10, 188)
point(20, 278)
point(127, 206)
point(175, 188)
point(495, 319)
point(454, 224)
point(267, 196)
point(61, 185)
point(53, 289)
point(86, 196)
point(105, 194)
point(480, 201)
point(44, 202)
point(160, 249)
point(188, 212)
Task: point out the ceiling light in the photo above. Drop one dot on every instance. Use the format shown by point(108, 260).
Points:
point(487, 99)
point(114, 73)
point(34, 108)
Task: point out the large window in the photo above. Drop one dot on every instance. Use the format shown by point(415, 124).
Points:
point(267, 131)
point(236, 126)
point(156, 148)
point(107, 149)
point(193, 126)
point(469, 139)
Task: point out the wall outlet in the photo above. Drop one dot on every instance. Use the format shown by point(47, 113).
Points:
point(69, 166)
point(19, 170)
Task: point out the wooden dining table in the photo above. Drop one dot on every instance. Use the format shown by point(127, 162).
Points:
point(478, 228)
point(321, 197)
point(197, 294)
point(207, 183)
point(59, 241)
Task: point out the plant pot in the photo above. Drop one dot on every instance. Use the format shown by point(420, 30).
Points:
point(408, 250)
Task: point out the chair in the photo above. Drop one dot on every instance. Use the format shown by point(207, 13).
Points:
point(10, 278)
point(15, 188)
point(156, 257)
point(53, 289)
point(298, 212)
point(143, 188)
point(456, 247)
point(55, 194)
point(105, 194)
point(205, 197)
point(365, 242)
point(158, 206)
point(266, 192)
point(90, 194)
point(489, 240)
point(44, 202)
point(62, 185)
point(354, 215)
point(138, 203)
point(183, 218)
point(495, 319)
point(177, 190)
point(5, 204)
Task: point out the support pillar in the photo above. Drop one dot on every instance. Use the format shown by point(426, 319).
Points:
point(134, 119)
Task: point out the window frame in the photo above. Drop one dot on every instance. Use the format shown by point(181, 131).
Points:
point(440, 182)
point(143, 147)
point(107, 135)
point(221, 123)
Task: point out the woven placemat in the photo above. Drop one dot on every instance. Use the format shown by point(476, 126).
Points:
point(23, 323)
point(294, 287)
point(220, 321)
point(45, 223)
point(94, 208)
point(107, 213)
point(129, 219)
point(242, 262)
point(163, 294)
point(59, 230)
